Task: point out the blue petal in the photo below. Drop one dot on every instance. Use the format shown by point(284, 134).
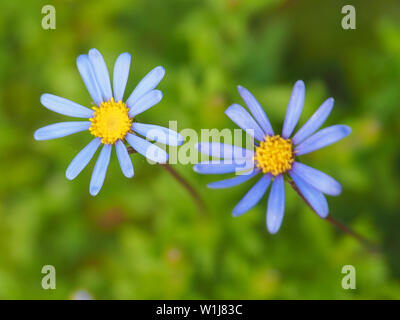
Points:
point(323, 138)
point(315, 122)
point(100, 170)
point(86, 70)
point(294, 109)
point(147, 149)
point(65, 106)
point(145, 102)
point(232, 181)
point(61, 129)
point(124, 159)
point(158, 133)
point(314, 197)
point(253, 196)
point(148, 83)
point(317, 179)
point(101, 72)
point(223, 166)
point(276, 205)
point(256, 110)
point(82, 159)
point(120, 75)
point(221, 150)
point(244, 120)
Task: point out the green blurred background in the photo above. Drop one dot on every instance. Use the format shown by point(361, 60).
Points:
point(144, 238)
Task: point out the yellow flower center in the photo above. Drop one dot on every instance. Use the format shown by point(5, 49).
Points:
point(274, 155)
point(110, 121)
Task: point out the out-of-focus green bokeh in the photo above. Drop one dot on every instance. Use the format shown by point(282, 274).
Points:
point(143, 238)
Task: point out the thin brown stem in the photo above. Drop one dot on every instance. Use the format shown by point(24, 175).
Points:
point(131, 150)
point(189, 188)
point(372, 247)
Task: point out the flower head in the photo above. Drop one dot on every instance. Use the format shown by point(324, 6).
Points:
point(275, 156)
point(111, 121)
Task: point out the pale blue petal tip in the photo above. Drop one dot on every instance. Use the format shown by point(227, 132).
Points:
point(94, 191)
point(36, 135)
point(236, 213)
point(94, 52)
point(347, 129)
point(300, 84)
point(161, 71)
point(80, 57)
point(129, 174)
point(69, 177)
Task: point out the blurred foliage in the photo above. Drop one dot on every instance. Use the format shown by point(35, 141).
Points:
point(144, 238)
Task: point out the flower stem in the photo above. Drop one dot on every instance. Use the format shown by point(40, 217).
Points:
point(178, 177)
point(372, 247)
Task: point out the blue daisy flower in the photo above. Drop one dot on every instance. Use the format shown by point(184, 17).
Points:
point(111, 121)
point(275, 156)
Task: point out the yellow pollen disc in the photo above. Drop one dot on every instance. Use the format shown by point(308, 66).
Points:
point(274, 155)
point(110, 121)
